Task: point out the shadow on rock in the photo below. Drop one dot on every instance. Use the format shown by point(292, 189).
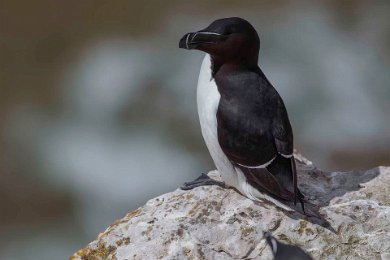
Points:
point(320, 188)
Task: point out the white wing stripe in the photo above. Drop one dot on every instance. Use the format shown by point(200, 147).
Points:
point(259, 166)
point(286, 155)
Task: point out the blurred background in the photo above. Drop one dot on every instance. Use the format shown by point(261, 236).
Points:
point(98, 110)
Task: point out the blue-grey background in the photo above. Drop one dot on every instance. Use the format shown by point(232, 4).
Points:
point(98, 110)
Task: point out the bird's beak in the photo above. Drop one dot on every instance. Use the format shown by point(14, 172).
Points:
point(193, 40)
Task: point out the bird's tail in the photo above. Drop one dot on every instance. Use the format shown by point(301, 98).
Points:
point(285, 171)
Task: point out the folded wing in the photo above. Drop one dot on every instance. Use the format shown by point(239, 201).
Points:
point(255, 134)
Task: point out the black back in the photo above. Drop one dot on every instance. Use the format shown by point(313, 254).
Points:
point(253, 125)
point(253, 128)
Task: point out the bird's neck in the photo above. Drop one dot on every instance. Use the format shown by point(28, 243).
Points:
point(232, 64)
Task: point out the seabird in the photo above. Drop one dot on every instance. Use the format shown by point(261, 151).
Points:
point(283, 251)
point(243, 119)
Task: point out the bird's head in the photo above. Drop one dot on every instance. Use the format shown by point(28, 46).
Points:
point(227, 39)
point(272, 242)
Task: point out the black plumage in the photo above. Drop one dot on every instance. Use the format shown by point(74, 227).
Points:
point(253, 129)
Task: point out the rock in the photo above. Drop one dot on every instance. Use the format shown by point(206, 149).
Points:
point(215, 223)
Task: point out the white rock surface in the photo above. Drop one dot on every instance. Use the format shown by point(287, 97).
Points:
point(215, 223)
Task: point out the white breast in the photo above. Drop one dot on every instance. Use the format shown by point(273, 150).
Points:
point(208, 99)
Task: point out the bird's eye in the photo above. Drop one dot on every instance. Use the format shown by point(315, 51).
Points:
point(231, 30)
point(227, 32)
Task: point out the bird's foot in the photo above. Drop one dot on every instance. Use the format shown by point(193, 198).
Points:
point(203, 180)
point(309, 209)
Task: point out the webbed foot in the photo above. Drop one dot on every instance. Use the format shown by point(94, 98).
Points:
point(203, 180)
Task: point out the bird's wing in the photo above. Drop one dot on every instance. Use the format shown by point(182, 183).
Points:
point(281, 129)
point(254, 131)
point(265, 181)
point(283, 138)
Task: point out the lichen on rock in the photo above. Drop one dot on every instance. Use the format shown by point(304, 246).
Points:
point(215, 223)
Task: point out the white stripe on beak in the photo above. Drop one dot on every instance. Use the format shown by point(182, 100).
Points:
point(214, 33)
point(193, 37)
point(188, 35)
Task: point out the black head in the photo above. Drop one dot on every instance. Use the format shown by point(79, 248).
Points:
point(283, 251)
point(227, 39)
point(272, 242)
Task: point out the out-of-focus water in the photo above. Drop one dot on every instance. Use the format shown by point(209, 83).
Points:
point(124, 128)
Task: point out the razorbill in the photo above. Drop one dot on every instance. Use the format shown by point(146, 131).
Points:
point(282, 251)
point(243, 118)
